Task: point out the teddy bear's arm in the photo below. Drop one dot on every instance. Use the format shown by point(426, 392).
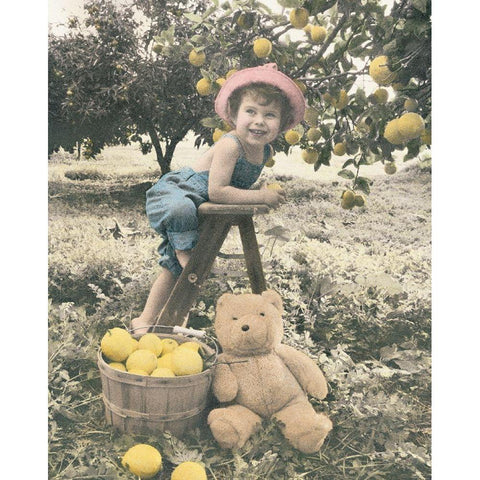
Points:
point(225, 386)
point(305, 370)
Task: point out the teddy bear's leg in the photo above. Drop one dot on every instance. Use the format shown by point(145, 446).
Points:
point(303, 427)
point(232, 426)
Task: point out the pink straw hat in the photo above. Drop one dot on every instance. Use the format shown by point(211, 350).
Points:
point(263, 74)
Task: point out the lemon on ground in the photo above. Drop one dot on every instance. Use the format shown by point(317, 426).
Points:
point(381, 95)
point(318, 33)
point(274, 186)
point(143, 460)
point(169, 344)
point(410, 105)
point(314, 134)
point(157, 48)
point(359, 200)
point(262, 47)
point(195, 346)
point(204, 86)
point(348, 200)
point(165, 361)
point(299, 17)
point(189, 471)
point(151, 342)
point(186, 361)
point(311, 116)
point(411, 125)
point(390, 168)
point(339, 149)
point(118, 366)
point(380, 72)
point(197, 58)
point(310, 155)
point(392, 133)
point(162, 372)
point(142, 359)
point(292, 137)
point(217, 134)
point(116, 344)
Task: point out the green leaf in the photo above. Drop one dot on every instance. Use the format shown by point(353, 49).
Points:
point(347, 163)
point(209, 122)
point(348, 174)
point(290, 3)
point(363, 184)
point(193, 18)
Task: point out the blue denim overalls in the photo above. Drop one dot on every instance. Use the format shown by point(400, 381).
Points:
point(173, 201)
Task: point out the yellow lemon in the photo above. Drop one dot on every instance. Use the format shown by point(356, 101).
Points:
point(151, 342)
point(318, 33)
point(381, 95)
point(134, 344)
point(359, 200)
point(292, 137)
point(310, 155)
point(118, 366)
point(397, 86)
point(217, 134)
point(390, 168)
point(348, 200)
point(426, 136)
point(138, 371)
point(270, 162)
point(380, 72)
point(195, 346)
point(299, 17)
point(301, 86)
point(197, 58)
point(143, 460)
point(189, 471)
point(186, 361)
point(169, 344)
point(339, 149)
point(410, 105)
point(411, 125)
point(274, 186)
point(262, 47)
point(143, 360)
point(204, 86)
point(392, 133)
point(116, 344)
point(230, 73)
point(328, 97)
point(311, 116)
point(165, 361)
point(314, 134)
point(220, 81)
point(162, 372)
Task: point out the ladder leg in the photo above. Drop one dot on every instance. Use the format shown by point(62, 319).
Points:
point(252, 254)
point(213, 232)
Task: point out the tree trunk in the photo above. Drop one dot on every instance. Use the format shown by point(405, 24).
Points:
point(161, 160)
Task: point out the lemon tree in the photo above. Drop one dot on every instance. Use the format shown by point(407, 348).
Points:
point(361, 66)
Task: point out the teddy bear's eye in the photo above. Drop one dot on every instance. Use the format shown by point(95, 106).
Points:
point(262, 314)
point(234, 318)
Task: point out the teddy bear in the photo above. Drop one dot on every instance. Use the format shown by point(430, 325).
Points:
point(257, 377)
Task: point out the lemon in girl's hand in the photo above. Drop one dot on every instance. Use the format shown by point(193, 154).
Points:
point(186, 361)
point(142, 359)
point(189, 471)
point(143, 460)
point(151, 342)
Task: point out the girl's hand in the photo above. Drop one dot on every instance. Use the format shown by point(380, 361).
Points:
point(273, 195)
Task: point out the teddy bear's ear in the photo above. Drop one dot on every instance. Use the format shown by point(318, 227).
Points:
point(224, 298)
point(274, 298)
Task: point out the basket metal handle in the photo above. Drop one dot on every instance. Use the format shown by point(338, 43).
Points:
point(189, 331)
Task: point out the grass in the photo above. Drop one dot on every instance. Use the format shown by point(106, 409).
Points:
point(356, 291)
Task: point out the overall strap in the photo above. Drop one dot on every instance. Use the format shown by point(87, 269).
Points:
point(231, 135)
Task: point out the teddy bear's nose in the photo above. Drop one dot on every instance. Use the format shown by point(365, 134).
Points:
point(245, 328)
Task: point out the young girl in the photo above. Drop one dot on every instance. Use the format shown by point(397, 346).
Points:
point(259, 103)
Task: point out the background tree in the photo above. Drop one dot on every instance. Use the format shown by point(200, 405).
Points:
point(154, 85)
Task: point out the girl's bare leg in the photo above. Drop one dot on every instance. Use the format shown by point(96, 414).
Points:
point(183, 256)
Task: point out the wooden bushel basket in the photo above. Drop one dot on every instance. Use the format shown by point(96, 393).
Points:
point(144, 405)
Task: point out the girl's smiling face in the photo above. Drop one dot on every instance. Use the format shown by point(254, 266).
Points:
point(257, 123)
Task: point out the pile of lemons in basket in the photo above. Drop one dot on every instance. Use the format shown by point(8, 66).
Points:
point(150, 355)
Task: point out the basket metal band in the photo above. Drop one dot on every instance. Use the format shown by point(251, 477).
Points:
point(123, 412)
